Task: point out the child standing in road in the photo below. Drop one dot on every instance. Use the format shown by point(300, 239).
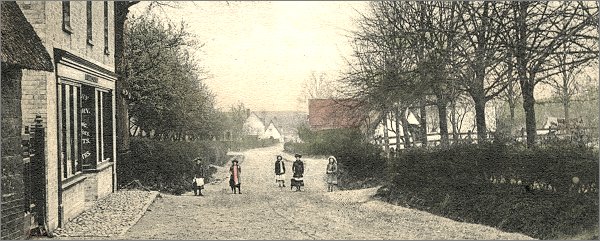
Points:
point(298, 170)
point(198, 183)
point(332, 172)
point(280, 171)
point(234, 178)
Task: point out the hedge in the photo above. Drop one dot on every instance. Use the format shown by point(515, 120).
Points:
point(531, 191)
point(166, 166)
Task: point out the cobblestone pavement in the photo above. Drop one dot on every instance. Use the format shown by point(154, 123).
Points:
point(265, 211)
point(108, 217)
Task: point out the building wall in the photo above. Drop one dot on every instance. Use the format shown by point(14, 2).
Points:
point(254, 126)
point(271, 131)
point(98, 185)
point(40, 88)
point(12, 161)
point(73, 201)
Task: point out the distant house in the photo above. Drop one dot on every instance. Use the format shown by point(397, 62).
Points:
point(272, 132)
point(326, 114)
point(280, 125)
point(254, 126)
point(380, 125)
point(286, 122)
point(22, 49)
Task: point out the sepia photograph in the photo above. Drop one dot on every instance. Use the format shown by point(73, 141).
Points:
point(300, 120)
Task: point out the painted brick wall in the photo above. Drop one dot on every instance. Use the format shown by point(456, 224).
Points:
point(12, 162)
point(98, 185)
point(73, 201)
point(105, 183)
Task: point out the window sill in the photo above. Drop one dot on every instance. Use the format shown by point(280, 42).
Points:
point(67, 28)
point(90, 42)
point(100, 167)
point(106, 51)
point(72, 181)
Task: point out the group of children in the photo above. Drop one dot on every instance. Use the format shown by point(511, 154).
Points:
point(297, 180)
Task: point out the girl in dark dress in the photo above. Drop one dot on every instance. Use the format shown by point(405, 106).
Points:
point(234, 178)
point(332, 172)
point(198, 183)
point(298, 170)
point(280, 171)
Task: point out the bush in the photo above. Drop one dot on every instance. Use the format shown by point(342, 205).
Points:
point(166, 165)
point(512, 188)
point(360, 162)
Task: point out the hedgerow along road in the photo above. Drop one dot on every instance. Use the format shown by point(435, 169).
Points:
point(264, 211)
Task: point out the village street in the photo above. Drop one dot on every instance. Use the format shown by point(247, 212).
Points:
point(264, 211)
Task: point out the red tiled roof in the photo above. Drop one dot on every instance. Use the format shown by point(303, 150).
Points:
point(334, 113)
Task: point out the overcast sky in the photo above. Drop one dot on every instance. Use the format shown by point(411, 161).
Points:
point(260, 53)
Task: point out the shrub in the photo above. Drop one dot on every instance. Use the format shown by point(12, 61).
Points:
point(512, 188)
point(166, 165)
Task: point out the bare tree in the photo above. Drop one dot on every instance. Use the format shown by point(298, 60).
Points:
point(569, 81)
point(484, 75)
point(539, 30)
point(317, 86)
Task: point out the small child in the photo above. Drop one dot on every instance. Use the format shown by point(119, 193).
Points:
point(234, 179)
point(280, 171)
point(332, 171)
point(198, 182)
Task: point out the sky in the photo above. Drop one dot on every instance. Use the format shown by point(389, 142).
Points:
point(260, 53)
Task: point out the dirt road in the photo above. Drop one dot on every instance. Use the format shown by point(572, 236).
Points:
point(265, 211)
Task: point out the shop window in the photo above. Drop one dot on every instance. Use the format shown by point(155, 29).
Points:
point(86, 128)
point(88, 124)
point(70, 129)
point(107, 120)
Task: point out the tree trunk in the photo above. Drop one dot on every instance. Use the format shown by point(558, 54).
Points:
point(397, 122)
point(121, 9)
point(529, 107)
point(454, 123)
point(423, 120)
point(480, 118)
point(405, 129)
point(386, 139)
point(527, 82)
point(443, 113)
point(566, 106)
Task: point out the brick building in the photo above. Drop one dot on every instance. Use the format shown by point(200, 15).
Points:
point(324, 114)
point(76, 103)
point(21, 49)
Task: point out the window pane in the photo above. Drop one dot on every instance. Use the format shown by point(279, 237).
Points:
point(78, 113)
point(68, 127)
point(100, 127)
point(88, 127)
point(66, 8)
point(105, 26)
point(107, 125)
point(74, 129)
point(89, 20)
point(63, 129)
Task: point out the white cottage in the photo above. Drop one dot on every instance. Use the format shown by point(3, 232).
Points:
point(272, 132)
point(254, 126)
